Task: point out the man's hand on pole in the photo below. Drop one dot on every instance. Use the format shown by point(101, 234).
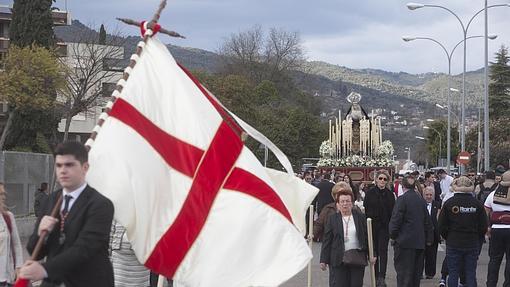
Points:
point(47, 223)
point(32, 270)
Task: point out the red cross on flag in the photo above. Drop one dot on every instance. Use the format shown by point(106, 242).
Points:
point(197, 204)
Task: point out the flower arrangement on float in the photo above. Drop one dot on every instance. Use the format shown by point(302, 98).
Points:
point(383, 157)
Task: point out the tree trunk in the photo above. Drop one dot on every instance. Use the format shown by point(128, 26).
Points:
point(68, 124)
point(5, 132)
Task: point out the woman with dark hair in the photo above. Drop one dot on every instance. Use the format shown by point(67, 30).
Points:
point(344, 246)
point(40, 198)
point(378, 203)
point(357, 196)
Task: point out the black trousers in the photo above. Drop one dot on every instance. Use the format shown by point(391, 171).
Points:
point(499, 246)
point(381, 240)
point(430, 260)
point(347, 276)
point(409, 266)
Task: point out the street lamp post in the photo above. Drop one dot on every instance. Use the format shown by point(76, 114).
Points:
point(457, 120)
point(450, 89)
point(414, 6)
point(440, 142)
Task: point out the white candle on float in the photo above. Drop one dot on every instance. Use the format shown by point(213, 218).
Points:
point(330, 132)
point(337, 140)
point(340, 149)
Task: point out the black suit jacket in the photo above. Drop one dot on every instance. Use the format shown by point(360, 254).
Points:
point(324, 197)
point(410, 224)
point(332, 250)
point(82, 261)
point(436, 206)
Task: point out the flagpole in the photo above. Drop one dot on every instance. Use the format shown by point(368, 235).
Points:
point(161, 280)
point(21, 282)
point(310, 241)
point(371, 252)
point(132, 62)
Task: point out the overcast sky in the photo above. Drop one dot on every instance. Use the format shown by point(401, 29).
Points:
point(355, 34)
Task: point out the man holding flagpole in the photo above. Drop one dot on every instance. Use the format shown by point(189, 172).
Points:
point(76, 249)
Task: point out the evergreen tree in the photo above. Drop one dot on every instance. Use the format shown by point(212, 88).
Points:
point(32, 23)
point(499, 88)
point(102, 35)
point(32, 26)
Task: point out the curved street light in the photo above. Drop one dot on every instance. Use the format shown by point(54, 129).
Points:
point(414, 6)
point(449, 56)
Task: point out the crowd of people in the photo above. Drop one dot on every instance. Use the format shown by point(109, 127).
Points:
point(414, 213)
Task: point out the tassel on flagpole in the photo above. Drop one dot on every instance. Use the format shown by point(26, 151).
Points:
point(310, 241)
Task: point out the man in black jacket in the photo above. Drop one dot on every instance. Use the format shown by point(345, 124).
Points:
point(76, 249)
point(410, 231)
point(463, 223)
point(324, 198)
point(430, 181)
point(378, 203)
point(433, 208)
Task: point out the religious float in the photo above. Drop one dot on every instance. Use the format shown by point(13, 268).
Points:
point(355, 146)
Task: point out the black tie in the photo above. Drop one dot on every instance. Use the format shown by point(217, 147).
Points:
point(66, 205)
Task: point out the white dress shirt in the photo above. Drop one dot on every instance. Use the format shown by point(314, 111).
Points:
point(445, 184)
point(74, 194)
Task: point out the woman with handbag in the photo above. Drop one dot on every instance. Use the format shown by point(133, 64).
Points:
point(345, 245)
point(10, 244)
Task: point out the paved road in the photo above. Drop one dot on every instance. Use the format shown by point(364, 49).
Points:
point(320, 278)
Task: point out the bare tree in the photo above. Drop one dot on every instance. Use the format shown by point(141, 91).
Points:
point(91, 69)
point(251, 54)
point(242, 52)
point(283, 50)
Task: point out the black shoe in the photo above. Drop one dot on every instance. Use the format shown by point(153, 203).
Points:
point(442, 283)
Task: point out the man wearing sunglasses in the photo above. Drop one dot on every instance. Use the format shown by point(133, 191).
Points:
point(378, 203)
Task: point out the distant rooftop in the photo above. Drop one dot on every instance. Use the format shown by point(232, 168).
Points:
point(5, 9)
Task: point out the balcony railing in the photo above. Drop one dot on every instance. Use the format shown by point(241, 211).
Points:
point(4, 44)
point(107, 89)
point(62, 49)
point(61, 18)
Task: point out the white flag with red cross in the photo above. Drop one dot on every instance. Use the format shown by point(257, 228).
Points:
point(197, 204)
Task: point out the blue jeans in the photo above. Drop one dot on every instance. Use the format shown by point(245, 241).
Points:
point(454, 258)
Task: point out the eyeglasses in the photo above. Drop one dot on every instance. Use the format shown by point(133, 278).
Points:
point(344, 201)
point(382, 178)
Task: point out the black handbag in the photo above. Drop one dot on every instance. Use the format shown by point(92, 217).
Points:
point(355, 257)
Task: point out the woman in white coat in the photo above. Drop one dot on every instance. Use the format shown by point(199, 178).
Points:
point(11, 254)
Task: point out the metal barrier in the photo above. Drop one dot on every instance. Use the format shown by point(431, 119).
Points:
point(22, 173)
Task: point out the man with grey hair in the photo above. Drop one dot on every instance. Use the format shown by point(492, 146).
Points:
point(433, 208)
